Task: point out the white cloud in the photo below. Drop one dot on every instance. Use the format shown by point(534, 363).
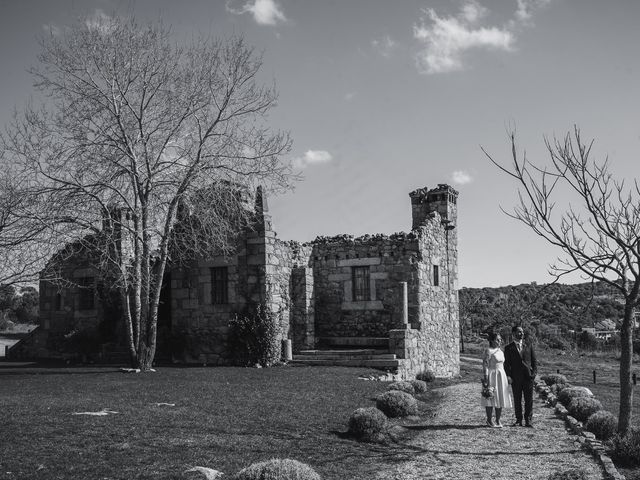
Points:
point(101, 22)
point(349, 96)
point(265, 12)
point(460, 177)
point(385, 46)
point(446, 40)
point(526, 9)
point(312, 157)
point(473, 11)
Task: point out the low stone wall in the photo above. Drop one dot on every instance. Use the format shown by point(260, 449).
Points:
point(413, 349)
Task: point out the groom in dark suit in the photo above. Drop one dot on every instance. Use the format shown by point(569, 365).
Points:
point(521, 367)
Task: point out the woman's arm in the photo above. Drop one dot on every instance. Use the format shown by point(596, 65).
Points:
point(485, 363)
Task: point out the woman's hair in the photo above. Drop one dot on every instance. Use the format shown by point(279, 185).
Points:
point(492, 336)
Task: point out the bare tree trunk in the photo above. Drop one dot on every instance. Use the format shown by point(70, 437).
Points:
point(626, 361)
point(128, 320)
point(147, 350)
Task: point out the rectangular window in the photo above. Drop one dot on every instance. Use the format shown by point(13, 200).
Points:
point(87, 293)
point(219, 285)
point(436, 275)
point(360, 284)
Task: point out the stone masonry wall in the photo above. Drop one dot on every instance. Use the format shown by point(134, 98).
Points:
point(439, 304)
point(391, 260)
point(200, 325)
point(433, 343)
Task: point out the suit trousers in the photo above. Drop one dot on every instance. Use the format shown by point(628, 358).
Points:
point(523, 388)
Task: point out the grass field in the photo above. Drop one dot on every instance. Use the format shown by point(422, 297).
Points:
point(223, 418)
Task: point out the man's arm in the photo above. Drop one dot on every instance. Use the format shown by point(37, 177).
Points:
point(534, 363)
point(507, 361)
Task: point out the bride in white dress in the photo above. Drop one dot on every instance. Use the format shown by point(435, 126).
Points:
point(495, 377)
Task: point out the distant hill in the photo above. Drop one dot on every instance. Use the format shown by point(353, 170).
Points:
point(556, 307)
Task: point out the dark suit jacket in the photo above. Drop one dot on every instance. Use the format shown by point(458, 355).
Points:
point(520, 366)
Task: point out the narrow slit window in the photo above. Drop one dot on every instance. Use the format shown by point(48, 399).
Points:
point(436, 275)
point(219, 285)
point(360, 284)
point(58, 302)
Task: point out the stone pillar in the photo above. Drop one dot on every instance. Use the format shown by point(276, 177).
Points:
point(287, 353)
point(302, 309)
point(405, 305)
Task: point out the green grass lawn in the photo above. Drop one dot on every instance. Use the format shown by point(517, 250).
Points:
point(223, 418)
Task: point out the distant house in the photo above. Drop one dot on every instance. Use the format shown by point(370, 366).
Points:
point(603, 330)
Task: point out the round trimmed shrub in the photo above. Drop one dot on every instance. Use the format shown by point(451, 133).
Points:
point(573, 474)
point(426, 376)
point(277, 469)
point(626, 449)
point(558, 387)
point(367, 423)
point(395, 403)
point(420, 386)
point(581, 408)
point(402, 386)
point(602, 424)
point(567, 394)
point(554, 379)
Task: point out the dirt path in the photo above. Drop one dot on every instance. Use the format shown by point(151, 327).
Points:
point(454, 443)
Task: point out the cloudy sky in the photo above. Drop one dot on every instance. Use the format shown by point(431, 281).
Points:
point(384, 97)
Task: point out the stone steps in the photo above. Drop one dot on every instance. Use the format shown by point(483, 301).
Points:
point(360, 342)
point(345, 355)
point(371, 363)
point(372, 358)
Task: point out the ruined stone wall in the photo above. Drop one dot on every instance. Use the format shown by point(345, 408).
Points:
point(290, 290)
point(391, 260)
point(259, 272)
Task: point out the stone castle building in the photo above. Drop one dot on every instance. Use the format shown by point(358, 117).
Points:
point(394, 293)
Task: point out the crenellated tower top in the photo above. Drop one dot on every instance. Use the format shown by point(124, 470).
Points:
point(442, 199)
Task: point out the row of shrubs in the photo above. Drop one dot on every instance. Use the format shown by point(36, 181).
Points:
point(274, 469)
point(581, 405)
point(370, 423)
point(367, 424)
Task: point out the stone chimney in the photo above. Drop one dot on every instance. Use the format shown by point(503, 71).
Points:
point(442, 199)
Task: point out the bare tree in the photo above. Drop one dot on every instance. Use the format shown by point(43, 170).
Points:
point(21, 252)
point(134, 130)
point(599, 233)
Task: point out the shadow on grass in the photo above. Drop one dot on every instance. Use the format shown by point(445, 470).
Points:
point(443, 427)
point(54, 368)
